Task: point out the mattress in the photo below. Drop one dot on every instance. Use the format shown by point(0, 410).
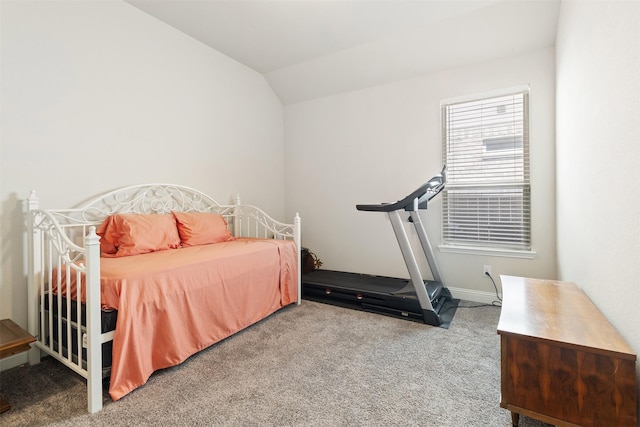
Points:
point(108, 320)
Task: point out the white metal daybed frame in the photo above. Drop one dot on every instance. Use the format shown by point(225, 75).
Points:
point(66, 239)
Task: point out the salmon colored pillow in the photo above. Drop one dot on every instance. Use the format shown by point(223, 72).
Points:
point(201, 228)
point(133, 234)
point(107, 247)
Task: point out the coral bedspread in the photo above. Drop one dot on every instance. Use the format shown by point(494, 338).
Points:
point(174, 303)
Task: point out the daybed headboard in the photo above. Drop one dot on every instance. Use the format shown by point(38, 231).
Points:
point(243, 220)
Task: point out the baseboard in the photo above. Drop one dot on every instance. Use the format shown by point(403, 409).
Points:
point(13, 361)
point(475, 296)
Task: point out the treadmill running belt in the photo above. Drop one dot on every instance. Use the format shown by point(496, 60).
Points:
point(354, 281)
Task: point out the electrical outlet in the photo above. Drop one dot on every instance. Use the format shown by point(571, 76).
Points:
point(486, 269)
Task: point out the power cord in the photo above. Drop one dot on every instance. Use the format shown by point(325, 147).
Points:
point(496, 303)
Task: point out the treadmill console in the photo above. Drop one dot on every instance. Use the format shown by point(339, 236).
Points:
point(419, 197)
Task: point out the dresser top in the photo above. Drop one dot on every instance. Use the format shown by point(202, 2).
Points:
point(557, 311)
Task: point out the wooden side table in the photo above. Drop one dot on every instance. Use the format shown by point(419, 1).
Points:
point(13, 340)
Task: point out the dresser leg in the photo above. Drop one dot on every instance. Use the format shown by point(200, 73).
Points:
point(4, 405)
point(515, 419)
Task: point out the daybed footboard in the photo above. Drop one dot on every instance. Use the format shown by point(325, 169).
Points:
point(63, 262)
point(59, 242)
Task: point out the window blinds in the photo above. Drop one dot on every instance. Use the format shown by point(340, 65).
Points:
point(486, 150)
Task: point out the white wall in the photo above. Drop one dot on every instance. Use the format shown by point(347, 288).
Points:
point(379, 144)
point(97, 95)
point(598, 157)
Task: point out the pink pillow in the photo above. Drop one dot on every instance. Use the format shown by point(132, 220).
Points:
point(107, 247)
point(201, 228)
point(133, 234)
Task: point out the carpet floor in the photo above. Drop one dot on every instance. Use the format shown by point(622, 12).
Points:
point(307, 365)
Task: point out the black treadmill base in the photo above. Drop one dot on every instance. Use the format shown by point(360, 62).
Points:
point(445, 316)
point(381, 295)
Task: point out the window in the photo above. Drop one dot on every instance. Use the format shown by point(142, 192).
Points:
point(487, 201)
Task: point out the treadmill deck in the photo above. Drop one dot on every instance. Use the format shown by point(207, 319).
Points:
point(384, 295)
point(367, 283)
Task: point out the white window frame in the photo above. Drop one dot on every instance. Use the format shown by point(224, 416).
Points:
point(478, 175)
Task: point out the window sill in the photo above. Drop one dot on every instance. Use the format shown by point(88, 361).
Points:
point(473, 250)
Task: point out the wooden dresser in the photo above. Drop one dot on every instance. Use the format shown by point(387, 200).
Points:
point(561, 360)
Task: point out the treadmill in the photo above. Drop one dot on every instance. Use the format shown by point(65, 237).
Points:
point(414, 299)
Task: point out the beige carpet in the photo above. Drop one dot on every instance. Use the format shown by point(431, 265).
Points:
point(307, 365)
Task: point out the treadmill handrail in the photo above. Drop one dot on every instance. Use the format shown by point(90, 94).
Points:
point(430, 189)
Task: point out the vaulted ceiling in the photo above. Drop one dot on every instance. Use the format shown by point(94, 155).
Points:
point(313, 48)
